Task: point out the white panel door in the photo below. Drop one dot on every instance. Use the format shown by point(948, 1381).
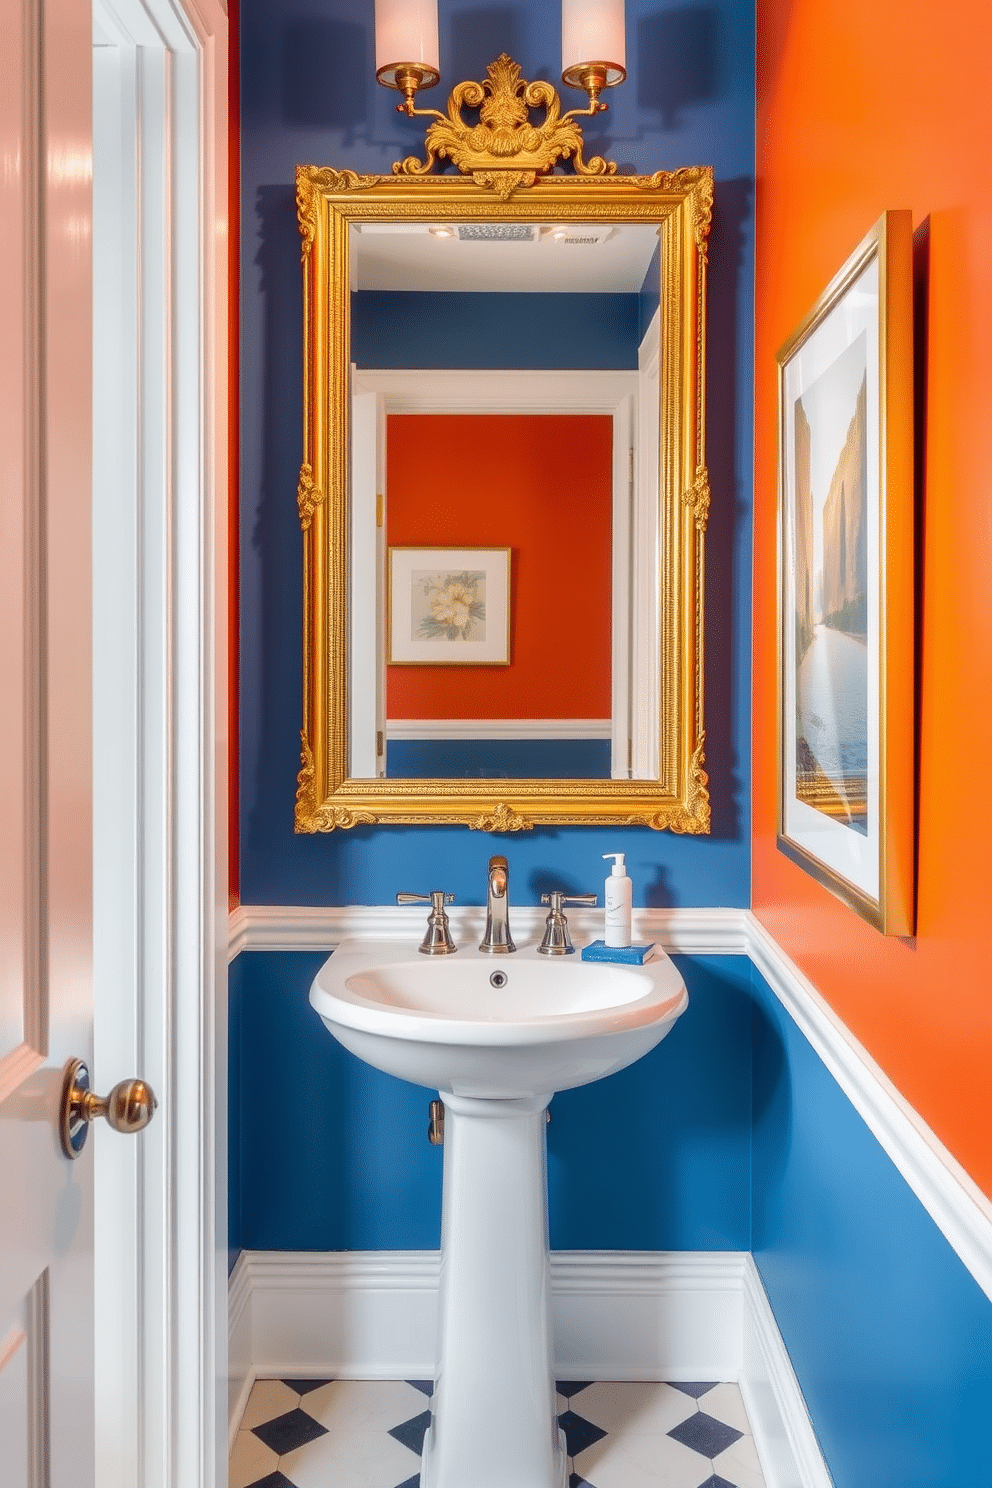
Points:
point(167, 1301)
point(46, 1209)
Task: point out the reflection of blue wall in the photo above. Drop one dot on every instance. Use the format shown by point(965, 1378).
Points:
point(502, 759)
point(649, 298)
point(537, 332)
point(731, 1135)
point(308, 94)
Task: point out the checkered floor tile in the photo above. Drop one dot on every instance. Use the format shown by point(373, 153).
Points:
point(308, 1433)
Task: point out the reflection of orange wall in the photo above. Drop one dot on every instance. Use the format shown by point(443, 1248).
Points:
point(863, 107)
point(543, 486)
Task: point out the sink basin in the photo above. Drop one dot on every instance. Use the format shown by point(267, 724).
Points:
point(496, 1027)
point(497, 1036)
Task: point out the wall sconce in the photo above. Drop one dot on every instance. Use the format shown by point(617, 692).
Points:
point(593, 47)
point(406, 50)
point(592, 31)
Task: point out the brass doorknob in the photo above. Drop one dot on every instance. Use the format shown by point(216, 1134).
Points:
point(128, 1108)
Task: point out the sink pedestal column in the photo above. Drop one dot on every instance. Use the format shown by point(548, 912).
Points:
point(494, 1422)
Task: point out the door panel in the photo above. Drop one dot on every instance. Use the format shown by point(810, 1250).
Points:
point(46, 1218)
point(18, 474)
point(22, 1388)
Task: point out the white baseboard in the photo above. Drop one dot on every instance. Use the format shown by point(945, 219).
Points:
point(622, 1315)
point(434, 730)
point(241, 1374)
point(346, 1314)
point(783, 1432)
point(647, 1315)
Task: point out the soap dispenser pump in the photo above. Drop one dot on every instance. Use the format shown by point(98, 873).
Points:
point(617, 891)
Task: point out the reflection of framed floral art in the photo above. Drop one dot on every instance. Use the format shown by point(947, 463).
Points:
point(449, 606)
point(845, 587)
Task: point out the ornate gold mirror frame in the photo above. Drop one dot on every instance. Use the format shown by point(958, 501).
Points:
point(504, 160)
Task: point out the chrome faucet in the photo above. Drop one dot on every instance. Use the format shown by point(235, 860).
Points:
point(497, 939)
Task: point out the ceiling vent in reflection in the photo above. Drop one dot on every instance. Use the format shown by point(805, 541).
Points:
point(497, 232)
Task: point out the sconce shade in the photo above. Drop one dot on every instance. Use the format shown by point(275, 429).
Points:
point(593, 31)
point(406, 31)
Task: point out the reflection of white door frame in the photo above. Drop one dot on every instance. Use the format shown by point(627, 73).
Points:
point(611, 393)
point(160, 664)
point(366, 607)
point(645, 647)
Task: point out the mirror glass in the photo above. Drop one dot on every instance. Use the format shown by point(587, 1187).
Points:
point(503, 499)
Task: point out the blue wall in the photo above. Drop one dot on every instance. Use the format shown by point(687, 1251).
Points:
point(656, 1157)
point(308, 94)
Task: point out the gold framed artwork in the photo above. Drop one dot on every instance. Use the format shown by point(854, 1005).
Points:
point(353, 227)
point(449, 606)
point(846, 753)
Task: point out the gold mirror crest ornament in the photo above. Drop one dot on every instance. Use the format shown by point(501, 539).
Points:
point(504, 149)
point(505, 175)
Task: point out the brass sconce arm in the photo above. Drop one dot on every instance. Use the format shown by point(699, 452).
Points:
point(592, 77)
point(408, 78)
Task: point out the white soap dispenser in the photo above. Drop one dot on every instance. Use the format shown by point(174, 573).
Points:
point(617, 892)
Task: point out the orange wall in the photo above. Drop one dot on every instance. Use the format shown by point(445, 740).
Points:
point(864, 106)
point(542, 485)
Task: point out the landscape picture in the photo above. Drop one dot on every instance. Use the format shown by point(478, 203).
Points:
point(846, 577)
point(831, 590)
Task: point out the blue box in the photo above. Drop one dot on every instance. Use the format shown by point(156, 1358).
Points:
point(632, 955)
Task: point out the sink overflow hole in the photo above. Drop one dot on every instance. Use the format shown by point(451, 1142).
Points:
point(498, 979)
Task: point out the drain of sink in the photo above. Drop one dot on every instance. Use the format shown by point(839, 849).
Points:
point(498, 979)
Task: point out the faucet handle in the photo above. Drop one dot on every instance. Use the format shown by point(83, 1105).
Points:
point(557, 941)
point(437, 941)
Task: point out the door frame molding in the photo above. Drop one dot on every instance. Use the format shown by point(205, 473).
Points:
point(510, 391)
point(160, 505)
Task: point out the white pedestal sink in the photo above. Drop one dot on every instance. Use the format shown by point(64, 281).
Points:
point(496, 1036)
